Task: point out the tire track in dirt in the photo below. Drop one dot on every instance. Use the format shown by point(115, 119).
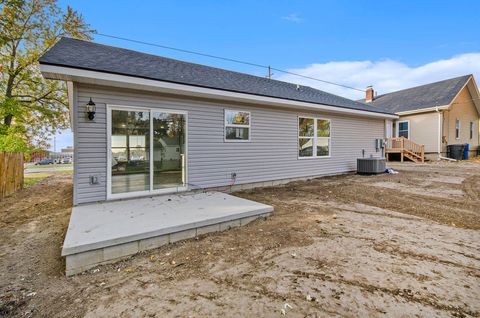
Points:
point(380, 214)
point(262, 291)
point(395, 250)
point(471, 187)
point(471, 256)
point(406, 294)
point(448, 211)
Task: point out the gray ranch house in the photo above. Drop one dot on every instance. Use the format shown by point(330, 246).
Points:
point(146, 124)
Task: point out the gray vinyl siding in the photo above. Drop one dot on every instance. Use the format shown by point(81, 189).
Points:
point(270, 155)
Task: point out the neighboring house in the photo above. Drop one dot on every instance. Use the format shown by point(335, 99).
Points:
point(162, 125)
point(434, 115)
point(67, 152)
point(37, 156)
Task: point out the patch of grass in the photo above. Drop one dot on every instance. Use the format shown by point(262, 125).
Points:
point(32, 166)
point(31, 182)
point(32, 179)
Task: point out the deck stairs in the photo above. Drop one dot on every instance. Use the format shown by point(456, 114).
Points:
point(406, 148)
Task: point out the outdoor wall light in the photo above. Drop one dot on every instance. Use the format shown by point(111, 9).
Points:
point(91, 109)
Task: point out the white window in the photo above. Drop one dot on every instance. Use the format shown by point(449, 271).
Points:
point(404, 129)
point(471, 130)
point(313, 137)
point(457, 129)
point(237, 125)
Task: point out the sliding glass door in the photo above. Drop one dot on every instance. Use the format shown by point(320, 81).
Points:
point(130, 147)
point(147, 151)
point(168, 150)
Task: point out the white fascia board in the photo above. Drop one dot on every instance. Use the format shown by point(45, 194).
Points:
point(423, 110)
point(123, 81)
point(474, 93)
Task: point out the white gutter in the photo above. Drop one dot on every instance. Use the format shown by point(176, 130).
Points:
point(423, 110)
point(131, 82)
point(445, 158)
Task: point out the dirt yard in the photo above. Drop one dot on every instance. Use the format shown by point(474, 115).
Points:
point(405, 245)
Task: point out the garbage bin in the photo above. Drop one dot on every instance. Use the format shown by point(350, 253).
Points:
point(465, 152)
point(456, 151)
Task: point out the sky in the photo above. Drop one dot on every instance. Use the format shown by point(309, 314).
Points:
point(391, 45)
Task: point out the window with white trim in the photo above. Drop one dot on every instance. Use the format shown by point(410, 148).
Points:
point(457, 129)
point(404, 129)
point(237, 125)
point(313, 137)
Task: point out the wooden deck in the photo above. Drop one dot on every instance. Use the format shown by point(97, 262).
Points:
point(406, 148)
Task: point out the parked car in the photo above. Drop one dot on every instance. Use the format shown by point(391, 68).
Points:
point(66, 160)
point(44, 162)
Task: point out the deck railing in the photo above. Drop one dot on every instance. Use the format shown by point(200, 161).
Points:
point(406, 147)
point(394, 143)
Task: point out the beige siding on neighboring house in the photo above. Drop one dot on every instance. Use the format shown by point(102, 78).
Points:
point(463, 109)
point(424, 130)
point(272, 153)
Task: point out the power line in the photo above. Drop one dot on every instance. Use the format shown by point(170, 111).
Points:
point(316, 79)
point(226, 59)
point(181, 50)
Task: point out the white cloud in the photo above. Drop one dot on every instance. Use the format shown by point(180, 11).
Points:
point(293, 17)
point(385, 75)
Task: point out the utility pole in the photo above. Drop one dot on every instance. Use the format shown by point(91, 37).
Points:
point(269, 73)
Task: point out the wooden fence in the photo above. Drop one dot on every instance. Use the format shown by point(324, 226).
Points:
point(11, 172)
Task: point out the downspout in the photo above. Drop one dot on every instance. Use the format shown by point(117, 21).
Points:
point(439, 139)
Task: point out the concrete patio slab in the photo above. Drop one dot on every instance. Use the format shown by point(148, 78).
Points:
point(104, 232)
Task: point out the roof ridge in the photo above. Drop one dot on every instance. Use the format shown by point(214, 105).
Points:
point(425, 96)
point(193, 63)
point(423, 85)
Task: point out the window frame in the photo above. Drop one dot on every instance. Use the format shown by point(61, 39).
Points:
point(457, 129)
point(315, 138)
point(225, 125)
point(398, 128)
point(124, 195)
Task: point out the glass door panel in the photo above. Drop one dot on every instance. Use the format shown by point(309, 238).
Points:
point(168, 150)
point(130, 147)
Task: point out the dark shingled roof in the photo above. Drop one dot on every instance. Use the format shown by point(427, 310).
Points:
point(424, 96)
point(97, 57)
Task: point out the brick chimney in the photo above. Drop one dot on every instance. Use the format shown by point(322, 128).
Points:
point(370, 94)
